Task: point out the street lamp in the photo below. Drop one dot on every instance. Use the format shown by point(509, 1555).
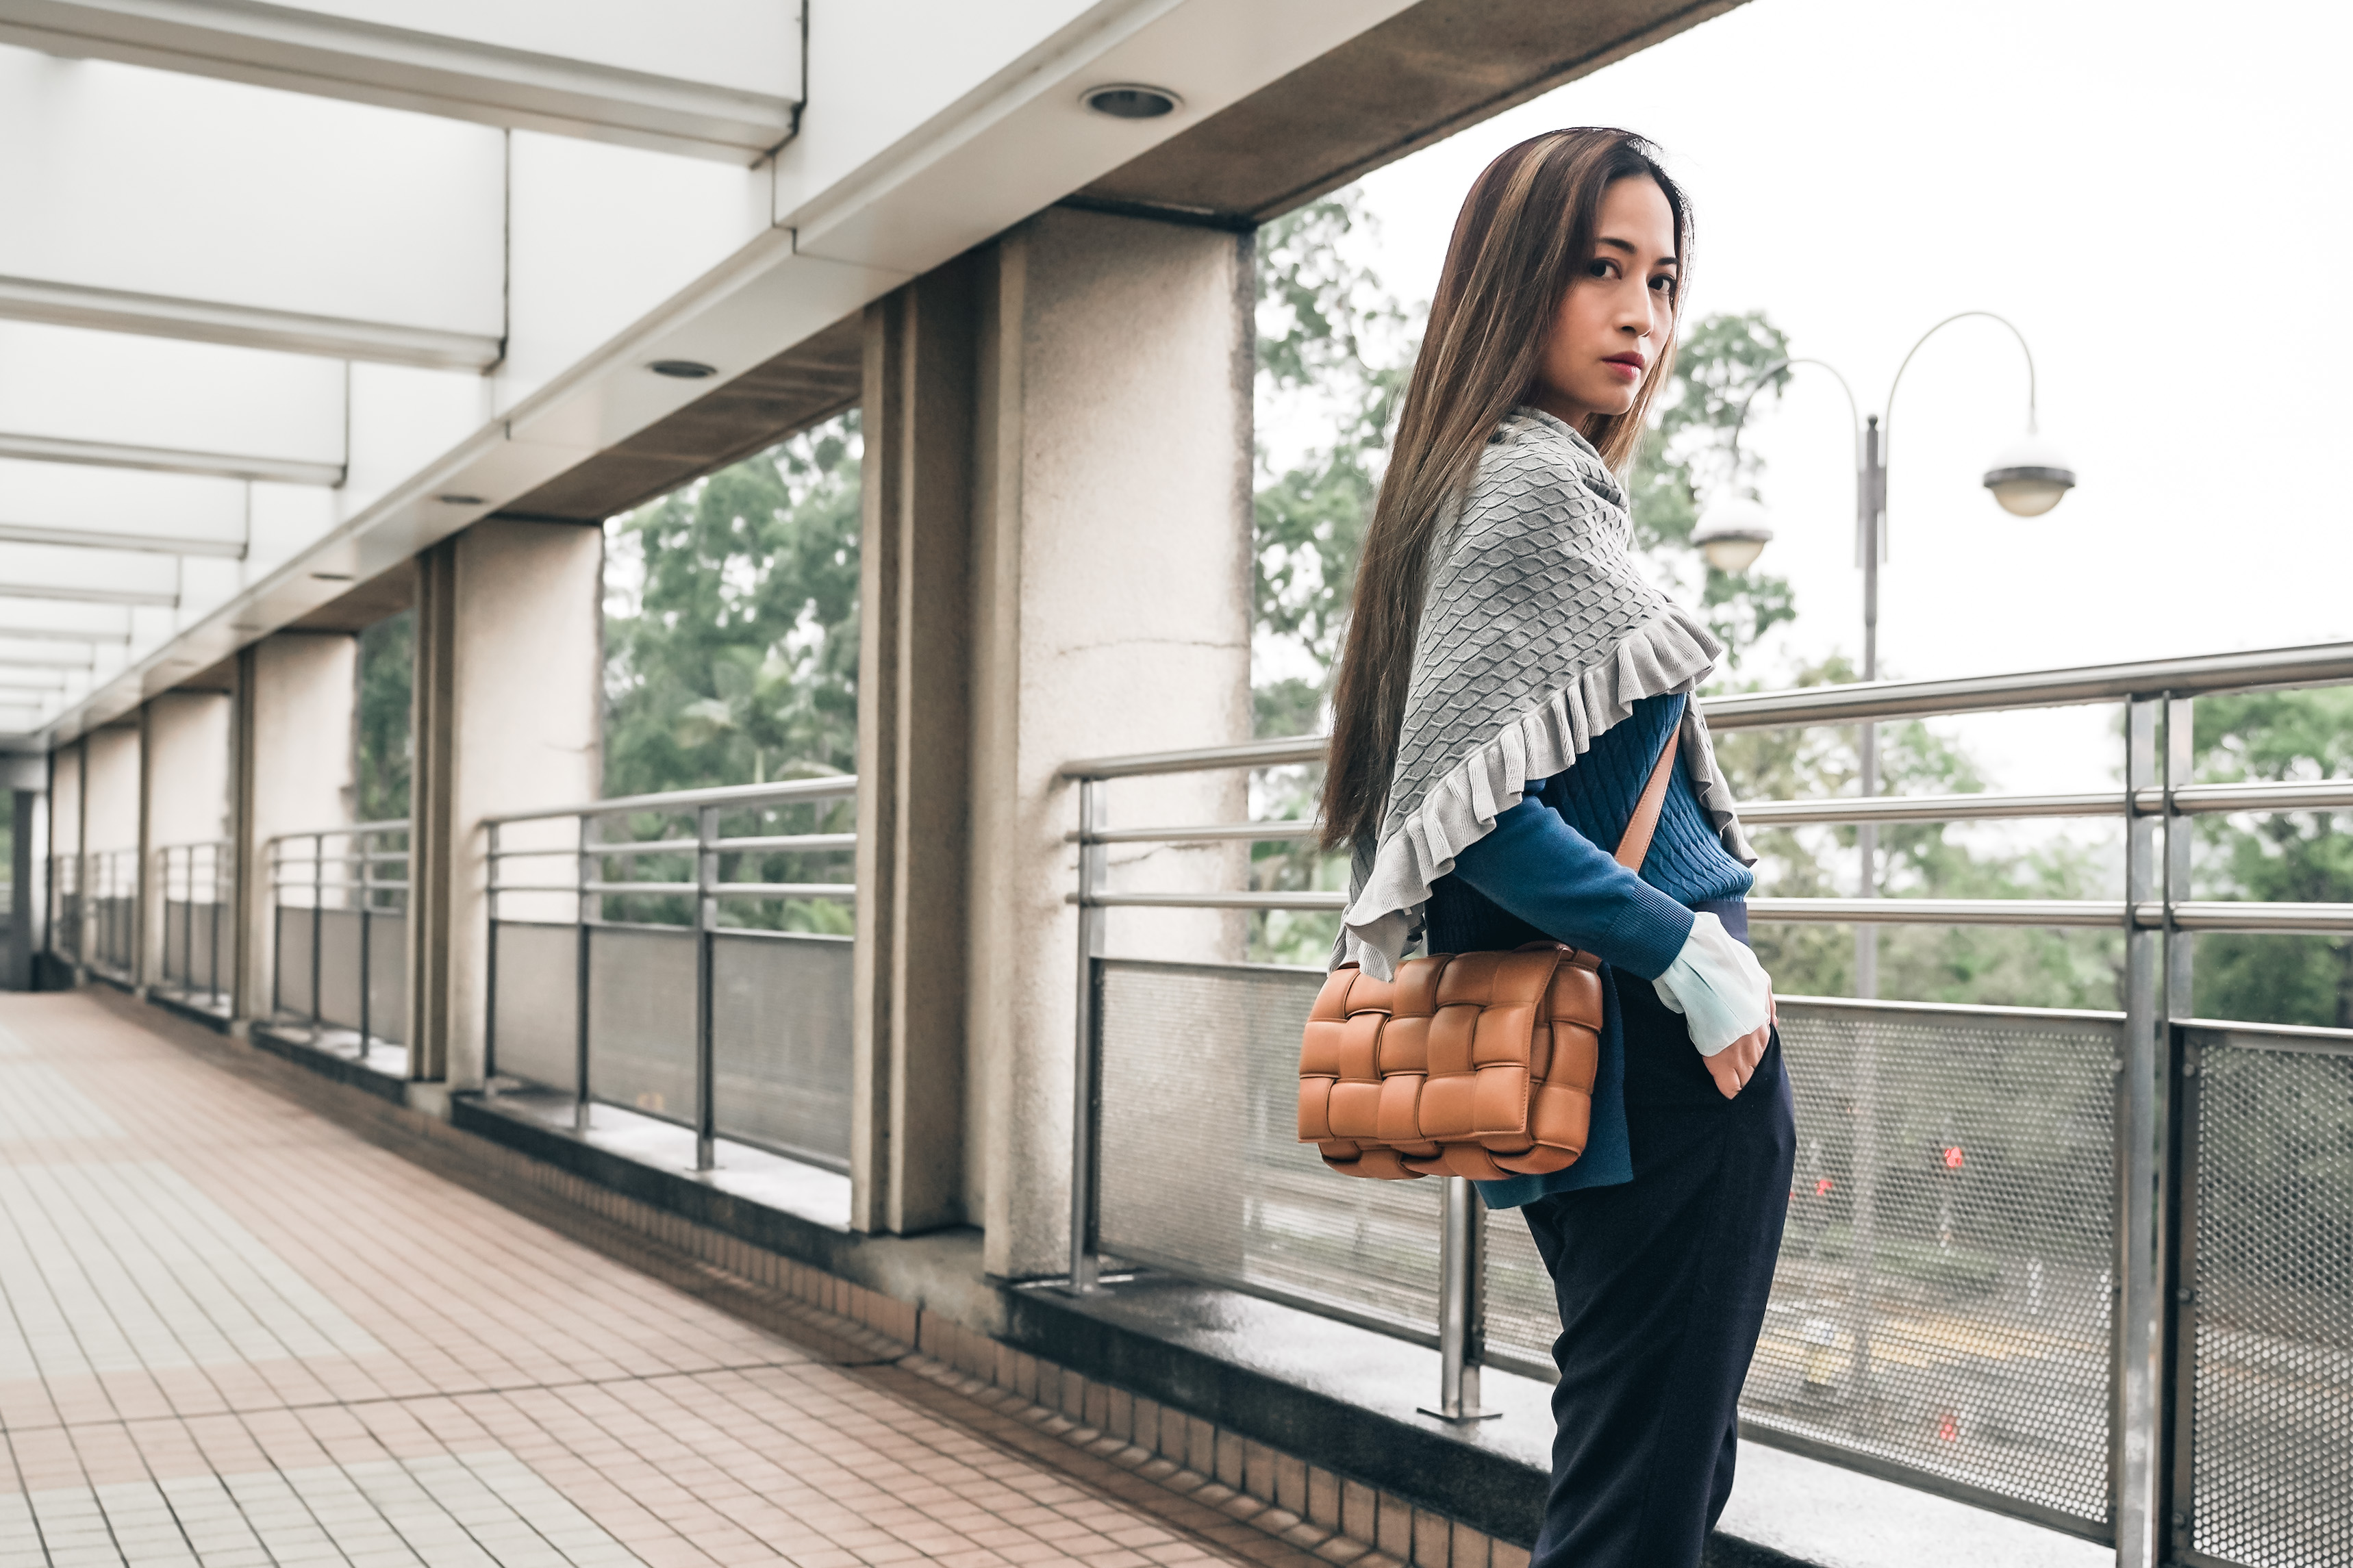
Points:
point(2028, 478)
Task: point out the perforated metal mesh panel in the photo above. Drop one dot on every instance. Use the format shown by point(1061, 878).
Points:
point(2270, 1324)
point(388, 976)
point(1941, 1304)
point(293, 961)
point(188, 956)
point(534, 1010)
point(1202, 1172)
point(339, 967)
point(780, 1042)
point(641, 1020)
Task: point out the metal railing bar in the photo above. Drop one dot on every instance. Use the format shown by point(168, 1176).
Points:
point(840, 787)
point(664, 888)
point(2326, 663)
point(801, 843)
point(1211, 900)
point(2249, 917)
point(643, 846)
point(2108, 912)
point(785, 890)
point(545, 887)
point(1214, 833)
point(1249, 755)
point(2292, 794)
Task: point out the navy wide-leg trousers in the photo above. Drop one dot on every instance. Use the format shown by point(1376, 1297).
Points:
point(1661, 1284)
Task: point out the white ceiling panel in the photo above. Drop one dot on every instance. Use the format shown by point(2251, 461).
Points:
point(70, 393)
point(63, 620)
point(155, 194)
point(93, 577)
point(60, 503)
point(36, 654)
point(715, 78)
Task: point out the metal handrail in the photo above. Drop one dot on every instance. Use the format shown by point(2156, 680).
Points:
point(839, 786)
point(587, 889)
point(2324, 663)
point(2155, 915)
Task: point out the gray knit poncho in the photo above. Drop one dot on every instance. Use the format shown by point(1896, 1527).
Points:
point(1538, 632)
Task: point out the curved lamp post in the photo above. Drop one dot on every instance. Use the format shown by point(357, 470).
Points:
point(2028, 478)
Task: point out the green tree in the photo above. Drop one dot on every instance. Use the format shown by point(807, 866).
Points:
point(2278, 857)
point(731, 644)
point(731, 641)
point(386, 747)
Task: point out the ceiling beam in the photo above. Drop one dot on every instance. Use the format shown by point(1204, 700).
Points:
point(32, 655)
point(144, 544)
point(544, 88)
point(245, 326)
point(169, 459)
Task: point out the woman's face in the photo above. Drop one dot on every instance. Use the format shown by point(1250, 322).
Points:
point(1618, 315)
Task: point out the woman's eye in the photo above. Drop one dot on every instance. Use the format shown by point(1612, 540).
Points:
point(1665, 285)
point(1602, 266)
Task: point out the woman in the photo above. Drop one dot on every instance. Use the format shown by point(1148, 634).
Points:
point(1510, 678)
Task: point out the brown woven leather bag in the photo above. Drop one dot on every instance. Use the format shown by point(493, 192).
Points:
point(1469, 1064)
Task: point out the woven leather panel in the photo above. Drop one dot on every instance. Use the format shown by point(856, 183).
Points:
point(1478, 1064)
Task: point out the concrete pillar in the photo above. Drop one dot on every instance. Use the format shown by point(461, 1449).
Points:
point(66, 820)
point(907, 1145)
point(292, 773)
point(1111, 613)
point(110, 831)
point(26, 779)
point(510, 717)
point(184, 794)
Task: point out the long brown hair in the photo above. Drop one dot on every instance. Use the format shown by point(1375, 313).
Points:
point(1526, 230)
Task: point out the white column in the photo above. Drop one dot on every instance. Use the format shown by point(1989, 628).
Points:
point(186, 796)
point(293, 765)
point(510, 717)
point(1111, 614)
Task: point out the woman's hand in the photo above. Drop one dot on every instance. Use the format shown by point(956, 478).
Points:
point(1733, 1066)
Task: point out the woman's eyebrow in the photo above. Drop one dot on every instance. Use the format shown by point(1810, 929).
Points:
point(1610, 242)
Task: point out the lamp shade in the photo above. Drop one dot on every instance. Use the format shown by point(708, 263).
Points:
point(2029, 476)
point(1731, 533)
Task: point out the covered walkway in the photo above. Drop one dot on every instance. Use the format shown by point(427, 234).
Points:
point(237, 1333)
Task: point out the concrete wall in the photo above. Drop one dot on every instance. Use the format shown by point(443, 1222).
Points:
point(510, 706)
point(1111, 614)
point(187, 755)
point(292, 767)
point(111, 801)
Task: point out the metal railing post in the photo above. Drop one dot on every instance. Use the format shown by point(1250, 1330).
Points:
point(2137, 1471)
point(2171, 1464)
point(1461, 1303)
point(364, 845)
point(1086, 1098)
point(212, 953)
point(588, 870)
point(706, 925)
point(490, 963)
point(318, 931)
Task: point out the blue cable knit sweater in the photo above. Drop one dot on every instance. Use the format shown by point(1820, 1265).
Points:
point(1547, 871)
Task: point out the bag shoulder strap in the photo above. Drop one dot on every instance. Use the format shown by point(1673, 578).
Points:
point(1636, 846)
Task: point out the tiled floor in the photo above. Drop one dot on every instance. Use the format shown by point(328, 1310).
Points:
point(232, 1332)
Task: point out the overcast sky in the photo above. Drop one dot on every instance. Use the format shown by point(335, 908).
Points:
point(2156, 194)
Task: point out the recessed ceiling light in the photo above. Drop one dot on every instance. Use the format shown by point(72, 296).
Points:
point(455, 499)
point(684, 369)
point(1130, 100)
point(333, 576)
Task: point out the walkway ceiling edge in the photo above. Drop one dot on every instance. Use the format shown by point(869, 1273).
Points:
point(1016, 146)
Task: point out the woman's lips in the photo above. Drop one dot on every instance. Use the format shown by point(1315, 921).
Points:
point(1631, 369)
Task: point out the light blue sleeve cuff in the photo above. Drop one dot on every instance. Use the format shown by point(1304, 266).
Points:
point(1718, 986)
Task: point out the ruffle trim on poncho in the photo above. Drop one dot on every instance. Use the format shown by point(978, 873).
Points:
point(1672, 652)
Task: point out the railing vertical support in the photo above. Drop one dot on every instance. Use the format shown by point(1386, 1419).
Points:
point(364, 845)
point(588, 867)
point(212, 942)
point(2175, 1350)
point(1086, 1092)
point(489, 961)
point(2138, 1468)
point(1461, 1303)
point(706, 927)
point(318, 928)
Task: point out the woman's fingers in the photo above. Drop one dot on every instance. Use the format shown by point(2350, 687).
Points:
point(1733, 1066)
